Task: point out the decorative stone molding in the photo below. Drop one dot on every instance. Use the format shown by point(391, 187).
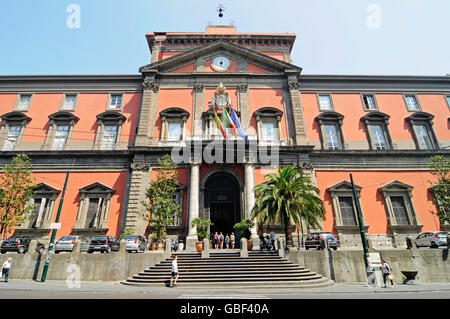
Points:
point(243, 88)
point(151, 84)
point(293, 85)
point(199, 88)
point(306, 166)
point(145, 167)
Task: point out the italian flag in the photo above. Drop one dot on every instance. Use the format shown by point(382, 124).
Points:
point(228, 122)
point(219, 125)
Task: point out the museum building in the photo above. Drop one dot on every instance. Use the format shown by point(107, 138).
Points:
point(110, 130)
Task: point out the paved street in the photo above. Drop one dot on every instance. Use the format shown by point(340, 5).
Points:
point(28, 289)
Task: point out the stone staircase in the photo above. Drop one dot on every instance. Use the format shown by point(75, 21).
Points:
point(228, 269)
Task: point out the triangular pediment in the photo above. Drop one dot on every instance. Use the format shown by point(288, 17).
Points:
point(344, 186)
point(45, 188)
point(96, 188)
point(187, 62)
point(396, 185)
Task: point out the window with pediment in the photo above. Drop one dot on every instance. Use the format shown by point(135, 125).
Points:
point(377, 131)
point(421, 125)
point(60, 130)
point(173, 125)
point(331, 130)
point(41, 216)
point(179, 197)
point(344, 207)
point(399, 206)
point(12, 130)
point(94, 210)
point(268, 125)
point(109, 130)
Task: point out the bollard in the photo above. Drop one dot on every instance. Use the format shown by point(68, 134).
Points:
point(205, 250)
point(244, 251)
point(122, 246)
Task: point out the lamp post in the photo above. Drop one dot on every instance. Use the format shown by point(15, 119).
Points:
point(52, 240)
point(361, 226)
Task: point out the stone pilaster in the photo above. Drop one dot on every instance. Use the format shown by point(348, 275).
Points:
point(199, 107)
point(149, 114)
point(250, 199)
point(194, 207)
point(244, 105)
point(140, 180)
point(297, 111)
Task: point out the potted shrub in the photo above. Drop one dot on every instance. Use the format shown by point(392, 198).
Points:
point(244, 227)
point(202, 231)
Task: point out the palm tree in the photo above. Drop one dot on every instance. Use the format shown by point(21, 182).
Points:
point(288, 195)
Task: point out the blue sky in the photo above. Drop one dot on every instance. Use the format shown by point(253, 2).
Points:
point(398, 37)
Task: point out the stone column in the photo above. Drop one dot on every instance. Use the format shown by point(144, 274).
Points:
point(250, 199)
point(297, 111)
point(199, 107)
point(194, 187)
point(148, 114)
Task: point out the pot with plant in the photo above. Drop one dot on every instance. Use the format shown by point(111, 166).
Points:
point(202, 231)
point(244, 227)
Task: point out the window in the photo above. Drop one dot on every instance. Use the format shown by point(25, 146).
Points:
point(174, 131)
point(377, 131)
point(344, 208)
point(369, 102)
point(93, 214)
point(269, 131)
point(400, 209)
point(12, 130)
point(24, 102)
point(421, 124)
point(331, 137)
point(70, 100)
point(172, 124)
point(447, 98)
point(412, 103)
point(108, 130)
point(378, 137)
point(179, 197)
point(12, 137)
point(43, 204)
point(60, 130)
point(109, 137)
point(325, 103)
point(115, 102)
point(268, 124)
point(331, 130)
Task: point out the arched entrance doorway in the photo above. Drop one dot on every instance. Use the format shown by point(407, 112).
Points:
point(222, 200)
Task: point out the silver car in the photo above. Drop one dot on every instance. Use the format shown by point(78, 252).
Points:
point(135, 243)
point(65, 243)
point(431, 239)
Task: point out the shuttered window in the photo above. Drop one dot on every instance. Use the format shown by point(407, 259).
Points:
point(347, 211)
point(399, 207)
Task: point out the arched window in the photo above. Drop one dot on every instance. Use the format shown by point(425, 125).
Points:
point(109, 130)
point(268, 124)
point(12, 130)
point(173, 124)
point(331, 130)
point(421, 124)
point(377, 131)
point(60, 130)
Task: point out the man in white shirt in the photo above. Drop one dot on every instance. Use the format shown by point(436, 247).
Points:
point(174, 278)
point(5, 268)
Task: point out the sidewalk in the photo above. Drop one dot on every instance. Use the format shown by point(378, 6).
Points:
point(115, 288)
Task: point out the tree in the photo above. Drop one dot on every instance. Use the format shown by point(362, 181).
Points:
point(202, 227)
point(288, 195)
point(16, 189)
point(440, 167)
point(161, 206)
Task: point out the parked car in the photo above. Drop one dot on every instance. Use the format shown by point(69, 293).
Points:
point(103, 244)
point(316, 240)
point(432, 239)
point(135, 243)
point(18, 244)
point(65, 243)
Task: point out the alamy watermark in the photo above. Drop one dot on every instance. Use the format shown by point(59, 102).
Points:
point(74, 19)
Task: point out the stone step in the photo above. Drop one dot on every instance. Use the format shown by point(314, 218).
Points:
point(243, 276)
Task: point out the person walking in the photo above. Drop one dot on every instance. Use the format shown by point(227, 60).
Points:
point(221, 239)
point(272, 239)
point(216, 240)
point(227, 241)
point(5, 269)
point(174, 277)
point(387, 273)
point(233, 240)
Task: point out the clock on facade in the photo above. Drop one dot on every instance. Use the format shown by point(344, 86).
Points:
point(221, 63)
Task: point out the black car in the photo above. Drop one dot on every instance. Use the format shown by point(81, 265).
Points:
point(18, 244)
point(317, 240)
point(103, 244)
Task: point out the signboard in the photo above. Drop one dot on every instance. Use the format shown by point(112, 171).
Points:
point(55, 226)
